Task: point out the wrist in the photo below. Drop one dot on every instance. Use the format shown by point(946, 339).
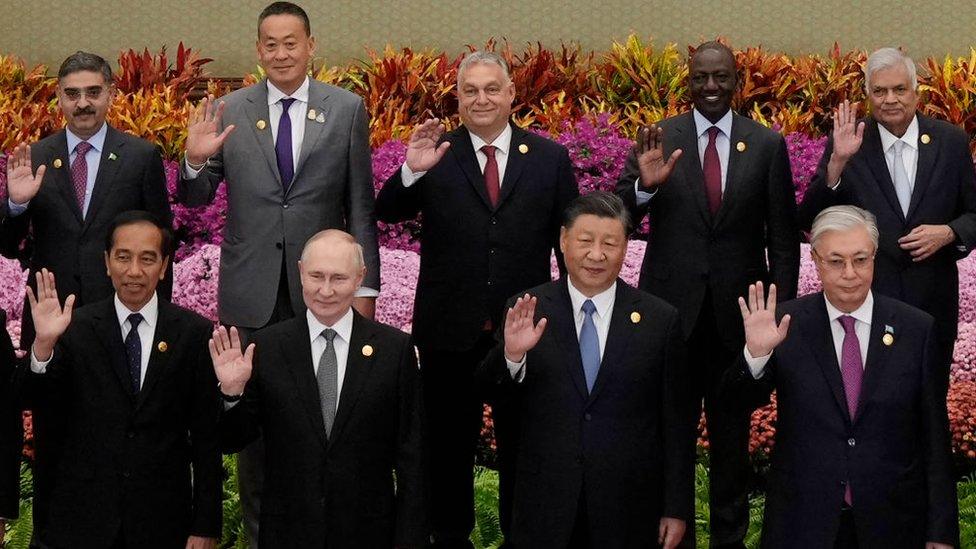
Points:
point(518, 357)
point(230, 392)
point(196, 164)
point(42, 350)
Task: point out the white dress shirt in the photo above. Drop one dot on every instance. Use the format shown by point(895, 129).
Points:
point(343, 328)
point(146, 329)
point(93, 158)
point(502, 144)
point(722, 145)
point(862, 327)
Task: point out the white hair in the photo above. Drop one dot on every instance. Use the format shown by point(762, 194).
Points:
point(887, 58)
point(844, 218)
point(484, 58)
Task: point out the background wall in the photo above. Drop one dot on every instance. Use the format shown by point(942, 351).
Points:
point(45, 31)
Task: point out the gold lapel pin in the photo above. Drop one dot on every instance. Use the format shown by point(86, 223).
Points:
point(888, 339)
point(261, 124)
point(111, 156)
point(162, 346)
point(925, 139)
point(635, 317)
point(740, 146)
point(57, 162)
point(320, 118)
point(523, 148)
point(367, 350)
point(311, 114)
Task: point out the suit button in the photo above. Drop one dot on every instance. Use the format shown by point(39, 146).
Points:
point(130, 434)
point(492, 251)
point(851, 442)
point(489, 283)
point(494, 221)
point(285, 205)
point(587, 416)
point(843, 483)
point(278, 245)
point(126, 474)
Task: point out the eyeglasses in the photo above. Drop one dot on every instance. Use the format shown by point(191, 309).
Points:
point(91, 93)
point(839, 264)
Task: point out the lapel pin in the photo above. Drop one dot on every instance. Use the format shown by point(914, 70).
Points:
point(57, 162)
point(740, 146)
point(889, 336)
point(523, 148)
point(311, 114)
point(635, 317)
point(111, 156)
point(162, 346)
point(367, 350)
point(925, 139)
point(320, 118)
point(261, 124)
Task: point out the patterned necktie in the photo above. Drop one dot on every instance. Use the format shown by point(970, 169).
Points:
point(852, 370)
point(713, 172)
point(589, 343)
point(903, 187)
point(133, 351)
point(327, 377)
point(286, 165)
point(491, 174)
point(79, 174)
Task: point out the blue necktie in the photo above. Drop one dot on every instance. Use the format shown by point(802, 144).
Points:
point(133, 351)
point(589, 343)
point(286, 165)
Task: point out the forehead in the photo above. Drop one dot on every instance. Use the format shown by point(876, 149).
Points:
point(596, 225)
point(845, 242)
point(281, 26)
point(712, 60)
point(891, 76)
point(138, 238)
point(82, 79)
point(481, 72)
point(330, 256)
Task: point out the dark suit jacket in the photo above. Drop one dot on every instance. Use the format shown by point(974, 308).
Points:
point(945, 193)
point(11, 429)
point(688, 251)
point(332, 189)
point(628, 447)
point(335, 491)
point(895, 452)
point(473, 256)
point(126, 468)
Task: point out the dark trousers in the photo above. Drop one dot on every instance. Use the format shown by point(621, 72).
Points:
point(454, 412)
point(846, 533)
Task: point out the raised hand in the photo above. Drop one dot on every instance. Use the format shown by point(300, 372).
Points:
point(654, 168)
point(22, 182)
point(50, 319)
point(233, 368)
point(423, 152)
point(848, 133)
point(759, 321)
point(203, 136)
point(521, 335)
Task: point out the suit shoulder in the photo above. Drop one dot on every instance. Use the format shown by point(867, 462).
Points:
point(758, 129)
point(906, 313)
point(386, 332)
point(543, 143)
point(950, 132)
point(194, 319)
point(654, 304)
point(136, 141)
point(342, 95)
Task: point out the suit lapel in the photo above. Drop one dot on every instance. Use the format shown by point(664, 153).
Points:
point(110, 335)
point(168, 331)
point(875, 156)
point(297, 352)
point(318, 99)
point(878, 354)
point(618, 337)
point(927, 155)
point(515, 164)
point(358, 369)
point(686, 139)
point(255, 109)
point(105, 178)
point(563, 326)
point(463, 151)
point(740, 134)
point(821, 341)
point(62, 176)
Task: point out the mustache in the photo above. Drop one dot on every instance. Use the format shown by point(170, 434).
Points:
point(84, 111)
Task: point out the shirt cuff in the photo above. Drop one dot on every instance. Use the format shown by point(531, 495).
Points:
point(757, 365)
point(363, 291)
point(229, 405)
point(190, 173)
point(835, 185)
point(14, 209)
point(408, 177)
point(37, 366)
point(516, 369)
point(643, 197)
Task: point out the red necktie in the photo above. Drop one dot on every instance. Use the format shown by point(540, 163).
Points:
point(491, 174)
point(713, 172)
point(79, 174)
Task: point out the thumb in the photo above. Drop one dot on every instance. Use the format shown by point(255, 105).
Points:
point(40, 173)
point(249, 354)
point(784, 326)
point(69, 305)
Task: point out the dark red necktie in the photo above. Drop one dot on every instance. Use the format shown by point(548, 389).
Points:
point(491, 174)
point(79, 174)
point(713, 172)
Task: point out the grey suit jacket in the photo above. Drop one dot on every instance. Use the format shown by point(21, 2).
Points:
point(332, 188)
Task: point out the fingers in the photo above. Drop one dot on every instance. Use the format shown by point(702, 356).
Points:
point(214, 355)
point(249, 354)
point(662, 530)
point(784, 326)
point(744, 309)
point(752, 298)
point(540, 327)
point(673, 159)
point(31, 300)
point(860, 130)
point(69, 306)
point(760, 299)
point(771, 300)
point(40, 173)
point(235, 338)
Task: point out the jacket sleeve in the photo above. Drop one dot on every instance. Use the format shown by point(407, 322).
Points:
point(204, 444)
point(411, 461)
point(782, 232)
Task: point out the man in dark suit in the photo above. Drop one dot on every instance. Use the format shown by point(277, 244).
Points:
point(719, 193)
point(916, 175)
point(491, 196)
point(141, 462)
point(65, 190)
point(596, 369)
point(11, 433)
point(337, 397)
point(862, 455)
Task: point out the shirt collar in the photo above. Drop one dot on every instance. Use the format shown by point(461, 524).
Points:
point(97, 141)
point(275, 95)
point(343, 326)
point(702, 124)
point(603, 300)
point(864, 313)
point(910, 138)
point(149, 311)
point(501, 143)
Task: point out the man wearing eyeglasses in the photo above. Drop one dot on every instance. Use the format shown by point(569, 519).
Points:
point(862, 455)
point(65, 190)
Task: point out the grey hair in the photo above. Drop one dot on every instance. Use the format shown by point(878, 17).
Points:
point(341, 235)
point(600, 204)
point(485, 58)
point(843, 218)
point(886, 58)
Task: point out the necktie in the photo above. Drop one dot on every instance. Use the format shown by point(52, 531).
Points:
point(589, 343)
point(713, 172)
point(286, 166)
point(852, 370)
point(133, 351)
point(903, 187)
point(327, 377)
point(491, 174)
point(79, 174)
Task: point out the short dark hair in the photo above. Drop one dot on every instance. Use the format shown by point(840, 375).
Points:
point(134, 217)
point(715, 45)
point(84, 61)
point(600, 204)
point(285, 8)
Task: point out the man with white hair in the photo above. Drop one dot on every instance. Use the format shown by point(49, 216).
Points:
point(862, 455)
point(916, 175)
point(491, 196)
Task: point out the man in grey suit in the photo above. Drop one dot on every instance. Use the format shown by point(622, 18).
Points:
point(297, 163)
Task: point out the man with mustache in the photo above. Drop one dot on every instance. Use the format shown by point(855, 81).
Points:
point(65, 190)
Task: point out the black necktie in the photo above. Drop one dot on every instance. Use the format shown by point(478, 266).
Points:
point(133, 351)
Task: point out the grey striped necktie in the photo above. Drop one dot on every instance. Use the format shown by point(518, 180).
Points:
point(327, 377)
